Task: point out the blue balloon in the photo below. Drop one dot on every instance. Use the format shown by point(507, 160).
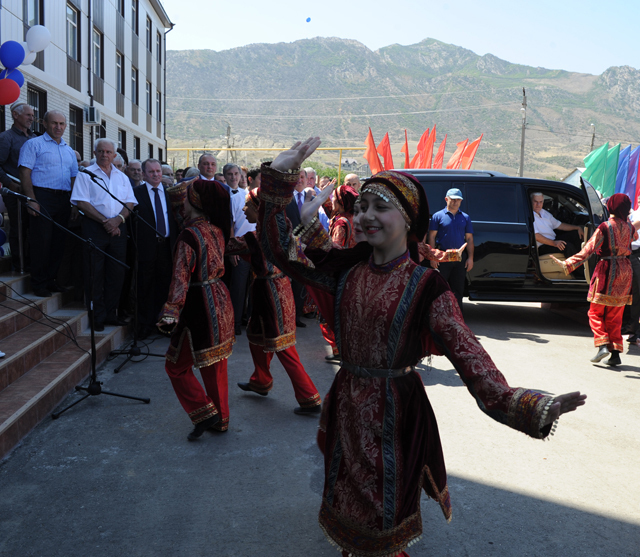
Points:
point(16, 75)
point(11, 54)
point(308, 19)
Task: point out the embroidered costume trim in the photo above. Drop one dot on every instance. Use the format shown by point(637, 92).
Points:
point(526, 412)
point(310, 402)
point(280, 191)
point(201, 358)
point(203, 413)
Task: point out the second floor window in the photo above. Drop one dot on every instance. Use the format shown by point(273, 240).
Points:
point(119, 73)
point(159, 47)
point(134, 85)
point(149, 97)
point(149, 35)
point(73, 34)
point(97, 53)
point(134, 16)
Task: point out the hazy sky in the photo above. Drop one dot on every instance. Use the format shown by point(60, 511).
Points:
point(582, 36)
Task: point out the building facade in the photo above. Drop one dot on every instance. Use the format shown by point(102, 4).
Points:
point(104, 69)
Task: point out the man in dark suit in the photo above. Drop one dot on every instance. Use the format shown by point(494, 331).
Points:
point(155, 249)
point(293, 214)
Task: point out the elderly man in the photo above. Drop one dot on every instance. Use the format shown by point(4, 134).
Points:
point(167, 171)
point(155, 248)
point(546, 227)
point(106, 203)
point(450, 228)
point(134, 171)
point(118, 162)
point(353, 181)
point(11, 142)
point(48, 168)
point(311, 178)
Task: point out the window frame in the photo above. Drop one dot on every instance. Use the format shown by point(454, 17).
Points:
point(120, 73)
point(97, 58)
point(74, 27)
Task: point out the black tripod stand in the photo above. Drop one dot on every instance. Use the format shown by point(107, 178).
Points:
point(95, 387)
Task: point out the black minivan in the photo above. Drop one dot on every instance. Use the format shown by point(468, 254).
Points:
point(506, 263)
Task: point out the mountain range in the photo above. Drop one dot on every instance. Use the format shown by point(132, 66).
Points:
point(272, 94)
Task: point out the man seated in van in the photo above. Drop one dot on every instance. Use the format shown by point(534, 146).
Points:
point(553, 236)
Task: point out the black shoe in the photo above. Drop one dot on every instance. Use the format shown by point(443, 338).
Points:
point(42, 293)
point(333, 358)
point(249, 388)
point(633, 339)
point(202, 426)
point(55, 287)
point(603, 352)
point(300, 324)
point(614, 360)
point(310, 411)
point(98, 327)
point(117, 322)
point(310, 315)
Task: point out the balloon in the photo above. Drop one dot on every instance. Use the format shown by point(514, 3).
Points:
point(38, 38)
point(9, 91)
point(308, 19)
point(11, 54)
point(16, 75)
point(29, 58)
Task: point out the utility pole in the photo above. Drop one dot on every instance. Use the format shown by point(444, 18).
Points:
point(524, 125)
point(228, 138)
point(593, 136)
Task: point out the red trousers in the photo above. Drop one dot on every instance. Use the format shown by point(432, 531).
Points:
point(328, 335)
point(606, 324)
point(199, 404)
point(305, 391)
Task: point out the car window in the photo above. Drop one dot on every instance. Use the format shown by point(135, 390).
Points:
point(488, 202)
point(436, 191)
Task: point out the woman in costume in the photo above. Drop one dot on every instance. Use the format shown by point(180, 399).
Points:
point(272, 326)
point(378, 432)
point(341, 223)
point(198, 312)
point(610, 288)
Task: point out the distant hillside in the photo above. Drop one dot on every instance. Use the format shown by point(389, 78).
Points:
point(397, 87)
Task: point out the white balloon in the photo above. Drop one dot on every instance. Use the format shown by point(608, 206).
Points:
point(38, 38)
point(30, 58)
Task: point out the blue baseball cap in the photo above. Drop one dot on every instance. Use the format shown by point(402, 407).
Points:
point(454, 193)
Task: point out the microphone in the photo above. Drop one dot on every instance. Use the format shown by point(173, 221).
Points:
point(18, 195)
point(89, 173)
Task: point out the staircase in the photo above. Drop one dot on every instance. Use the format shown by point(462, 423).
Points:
point(42, 362)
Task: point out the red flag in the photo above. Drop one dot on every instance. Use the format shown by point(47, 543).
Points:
point(405, 150)
point(440, 154)
point(415, 161)
point(456, 158)
point(384, 149)
point(470, 153)
point(371, 155)
point(427, 153)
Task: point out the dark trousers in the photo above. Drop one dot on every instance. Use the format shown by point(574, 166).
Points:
point(106, 283)
point(47, 240)
point(631, 315)
point(570, 238)
point(154, 280)
point(14, 208)
point(238, 288)
point(299, 295)
point(455, 273)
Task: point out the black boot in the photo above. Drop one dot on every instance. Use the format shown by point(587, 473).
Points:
point(202, 426)
point(603, 352)
point(615, 358)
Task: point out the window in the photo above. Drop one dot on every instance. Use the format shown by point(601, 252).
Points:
point(134, 16)
point(150, 150)
point(102, 131)
point(37, 99)
point(136, 147)
point(159, 106)
point(73, 33)
point(483, 207)
point(122, 139)
point(33, 12)
point(149, 101)
point(96, 46)
point(120, 7)
point(160, 154)
point(149, 35)
point(159, 47)
point(119, 73)
point(76, 136)
point(134, 86)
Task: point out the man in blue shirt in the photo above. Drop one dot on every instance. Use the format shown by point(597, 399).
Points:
point(450, 228)
point(48, 168)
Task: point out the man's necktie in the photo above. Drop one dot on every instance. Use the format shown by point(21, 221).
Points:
point(299, 194)
point(160, 225)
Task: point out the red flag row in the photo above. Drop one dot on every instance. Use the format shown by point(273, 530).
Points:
point(462, 158)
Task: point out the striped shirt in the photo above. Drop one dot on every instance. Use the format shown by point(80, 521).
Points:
point(52, 164)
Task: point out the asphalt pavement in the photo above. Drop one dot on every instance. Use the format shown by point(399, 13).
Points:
point(118, 477)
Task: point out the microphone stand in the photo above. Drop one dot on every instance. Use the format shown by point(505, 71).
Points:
point(94, 387)
point(134, 350)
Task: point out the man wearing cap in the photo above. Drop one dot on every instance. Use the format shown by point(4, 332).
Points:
point(450, 228)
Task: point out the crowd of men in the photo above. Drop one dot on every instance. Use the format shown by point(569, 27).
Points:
point(121, 209)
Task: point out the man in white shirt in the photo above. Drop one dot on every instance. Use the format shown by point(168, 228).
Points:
point(106, 203)
point(545, 226)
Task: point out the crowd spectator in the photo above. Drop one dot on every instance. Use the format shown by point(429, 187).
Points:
point(179, 174)
point(353, 181)
point(312, 178)
point(253, 178)
point(208, 166)
point(134, 171)
point(167, 171)
point(219, 177)
point(106, 207)
point(243, 177)
point(118, 162)
point(48, 169)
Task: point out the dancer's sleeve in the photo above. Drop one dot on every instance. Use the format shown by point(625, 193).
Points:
point(433, 254)
point(183, 266)
point(573, 262)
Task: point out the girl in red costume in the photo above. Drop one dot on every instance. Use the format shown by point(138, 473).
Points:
point(198, 312)
point(378, 432)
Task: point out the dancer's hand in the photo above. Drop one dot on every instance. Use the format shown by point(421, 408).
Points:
point(310, 206)
point(563, 404)
point(557, 261)
point(166, 325)
point(294, 157)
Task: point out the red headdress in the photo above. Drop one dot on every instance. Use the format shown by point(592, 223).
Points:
point(213, 199)
point(619, 205)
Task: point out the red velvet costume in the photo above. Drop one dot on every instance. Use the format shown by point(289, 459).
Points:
point(378, 434)
point(204, 335)
point(272, 326)
point(610, 288)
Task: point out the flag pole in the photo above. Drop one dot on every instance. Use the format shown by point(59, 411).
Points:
point(524, 125)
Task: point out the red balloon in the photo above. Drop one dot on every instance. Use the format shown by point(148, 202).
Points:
point(9, 91)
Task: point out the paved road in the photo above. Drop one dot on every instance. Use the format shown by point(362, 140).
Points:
point(116, 477)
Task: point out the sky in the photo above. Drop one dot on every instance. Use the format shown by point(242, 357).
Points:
point(585, 36)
